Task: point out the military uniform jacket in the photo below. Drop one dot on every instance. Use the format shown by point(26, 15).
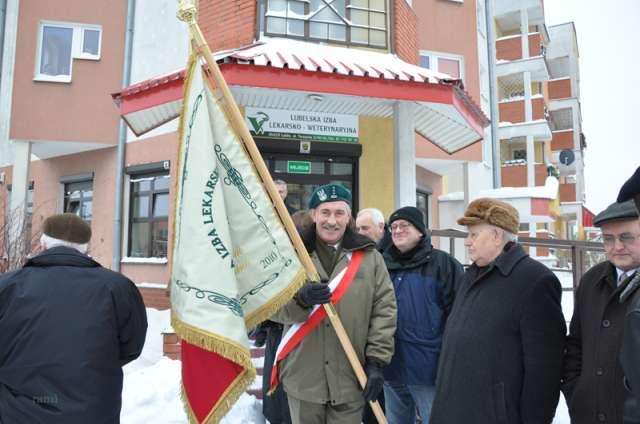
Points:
point(318, 370)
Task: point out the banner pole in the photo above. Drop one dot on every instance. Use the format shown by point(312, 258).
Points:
point(188, 14)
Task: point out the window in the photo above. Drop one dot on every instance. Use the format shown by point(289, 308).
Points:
point(59, 43)
point(149, 215)
point(360, 22)
point(422, 203)
point(78, 199)
point(450, 64)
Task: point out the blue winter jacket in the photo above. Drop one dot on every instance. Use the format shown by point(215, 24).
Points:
point(424, 281)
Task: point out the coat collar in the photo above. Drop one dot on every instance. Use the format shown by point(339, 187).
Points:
point(506, 261)
point(61, 256)
point(608, 276)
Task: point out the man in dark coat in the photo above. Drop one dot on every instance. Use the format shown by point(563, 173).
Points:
point(593, 379)
point(424, 281)
point(67, 326)
point(630, 351)
point(275, 406)
point(501, 359)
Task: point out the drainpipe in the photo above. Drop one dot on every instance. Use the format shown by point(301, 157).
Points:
point(122, 141)
point(3, 16)
point(493, 97)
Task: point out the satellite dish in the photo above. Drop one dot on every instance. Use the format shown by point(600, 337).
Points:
point(567, 157)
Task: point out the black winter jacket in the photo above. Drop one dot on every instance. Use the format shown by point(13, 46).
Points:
point(67, 326)
point(630, 353)
point(501, 359)
point(593, 379)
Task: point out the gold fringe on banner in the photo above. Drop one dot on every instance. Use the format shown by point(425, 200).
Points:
point(229, 350)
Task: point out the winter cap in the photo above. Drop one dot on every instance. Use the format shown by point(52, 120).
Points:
point(329, 193)
point(491, 211)
point(67, 227)
point(411, 214)
point(616, 211)
point(631, 189)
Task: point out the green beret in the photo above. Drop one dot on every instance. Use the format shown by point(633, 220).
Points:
point(329, 193)
point(67, 227)
point(616, 211)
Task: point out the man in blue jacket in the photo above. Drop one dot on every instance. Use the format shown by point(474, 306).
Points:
point(424, 280)
point(67, 326)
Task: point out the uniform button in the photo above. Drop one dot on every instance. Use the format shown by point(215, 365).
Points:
point(326, 362)
point(599, 371)
point(606, 323)
point(602, 417)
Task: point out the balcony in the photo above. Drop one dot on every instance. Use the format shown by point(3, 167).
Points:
point(516, 175)
point(510, 48)
point(568, 192)
point(562, 140)
point(559, 88)
point(513, 111)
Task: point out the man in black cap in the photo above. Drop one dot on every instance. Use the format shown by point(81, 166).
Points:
point(320, 384)
point(67, 326)
point(593, 378)
point(630, 351)
point(424, 281)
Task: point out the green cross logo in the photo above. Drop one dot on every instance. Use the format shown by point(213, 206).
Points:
point(258, 121)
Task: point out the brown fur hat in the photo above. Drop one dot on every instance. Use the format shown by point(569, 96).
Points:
point(67, 227)
point(491, 211)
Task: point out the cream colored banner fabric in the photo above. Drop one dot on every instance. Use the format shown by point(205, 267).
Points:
point(233, 263)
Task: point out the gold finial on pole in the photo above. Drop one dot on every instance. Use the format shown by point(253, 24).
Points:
point(187, 12)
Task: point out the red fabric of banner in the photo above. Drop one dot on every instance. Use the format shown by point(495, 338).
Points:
point(205, 377)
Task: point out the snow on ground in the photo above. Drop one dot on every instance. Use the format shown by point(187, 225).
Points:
point(151, 391)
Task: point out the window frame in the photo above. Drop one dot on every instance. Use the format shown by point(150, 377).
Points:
point(433, 59)
point(264, 15)
point(77, 45)
point(83, 199)
point(150, 218)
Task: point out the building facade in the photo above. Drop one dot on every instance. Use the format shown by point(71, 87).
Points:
point(354, 67)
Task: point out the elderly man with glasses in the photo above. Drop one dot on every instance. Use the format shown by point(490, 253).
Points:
point(501, 359)
point(593, 378)
point(424, 281)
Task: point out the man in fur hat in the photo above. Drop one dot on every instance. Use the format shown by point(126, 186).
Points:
point(316, 374)
point(67, 326)
point(630, 351)
point(501, 359)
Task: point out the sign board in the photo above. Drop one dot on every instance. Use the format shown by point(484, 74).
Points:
point(315, 126)
point(298, 167)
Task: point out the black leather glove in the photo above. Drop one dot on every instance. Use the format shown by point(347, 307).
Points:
point(375, 380)
point(313, 294)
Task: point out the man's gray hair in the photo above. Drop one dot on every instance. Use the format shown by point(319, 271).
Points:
point(376, 215)
point(279, 182)
point(50, 242)
point(507, 236)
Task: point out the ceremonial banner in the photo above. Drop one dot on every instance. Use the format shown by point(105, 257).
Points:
point(233, 264)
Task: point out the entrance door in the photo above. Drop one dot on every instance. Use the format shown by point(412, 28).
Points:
point(304, 173)
point(322, 163)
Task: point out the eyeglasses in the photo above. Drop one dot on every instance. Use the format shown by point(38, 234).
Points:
point(400, 226)
point(627, 239)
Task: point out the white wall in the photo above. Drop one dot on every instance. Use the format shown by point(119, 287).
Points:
point(160, 46)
